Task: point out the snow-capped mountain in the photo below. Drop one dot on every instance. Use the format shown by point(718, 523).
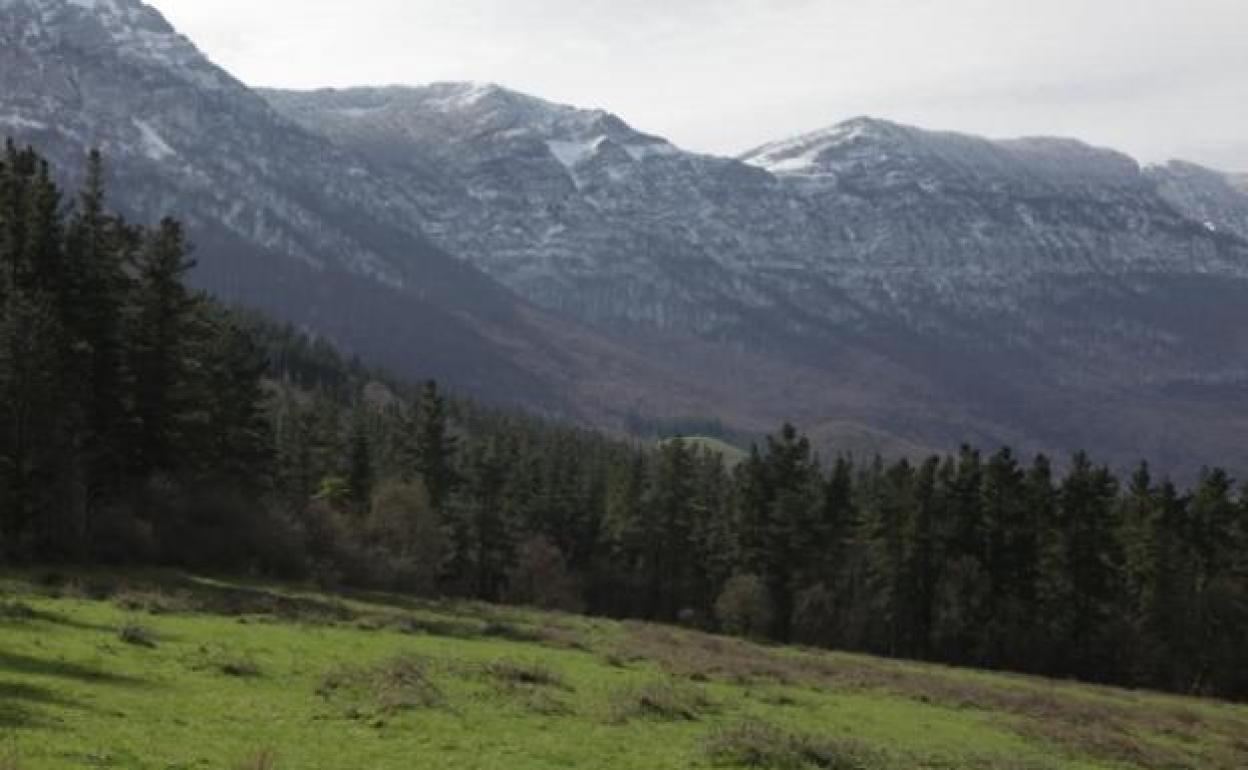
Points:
point(884, 286)
point(282, 218)
point(1034, 275)
point(583, 214)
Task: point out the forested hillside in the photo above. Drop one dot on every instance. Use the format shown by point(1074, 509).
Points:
point(145, 424)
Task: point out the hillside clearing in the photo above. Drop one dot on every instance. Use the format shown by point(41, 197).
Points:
point(158, 670)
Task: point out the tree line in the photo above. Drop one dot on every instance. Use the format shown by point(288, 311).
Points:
point(142, 423)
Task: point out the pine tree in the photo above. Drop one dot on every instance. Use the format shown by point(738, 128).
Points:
point(98, 248)
point(359, 475)
point(434, 447)
point(159, 353)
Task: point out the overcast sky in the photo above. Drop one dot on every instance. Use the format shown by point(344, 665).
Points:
point(1156, 78)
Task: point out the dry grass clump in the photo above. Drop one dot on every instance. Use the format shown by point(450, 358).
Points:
point(702, 657)
point(562, 638)
point(263, 759)
point(544, 703)
point(150, 602)
point(663, 700)
point(136, 634)
point(399, 684)
point(759, 745)
point(222, 660)
point(514, 673)
point(9, 760)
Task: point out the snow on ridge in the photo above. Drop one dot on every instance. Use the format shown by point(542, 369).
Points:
point(801, 154)
point(573, 154)
point(17, 121)
point(153, 144)
point(639, 152)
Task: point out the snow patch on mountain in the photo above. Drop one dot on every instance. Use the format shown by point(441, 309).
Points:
point(573, 154)
point(17, 121)
point(153, 144)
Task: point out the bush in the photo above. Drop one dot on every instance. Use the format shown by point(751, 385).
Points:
point(755, 744)
point(200, 523)
point(744, 607)
point(406, 528)
point(540, 578)
point(814, 616)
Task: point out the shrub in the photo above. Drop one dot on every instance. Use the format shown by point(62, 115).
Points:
point(409, 531)
point(744, 607)
point(755, 744)
point(540, 578)
point(814, 616)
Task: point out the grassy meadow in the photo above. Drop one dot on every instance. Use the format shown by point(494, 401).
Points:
point(162, 671)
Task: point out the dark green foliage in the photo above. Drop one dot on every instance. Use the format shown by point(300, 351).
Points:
point(114, 377)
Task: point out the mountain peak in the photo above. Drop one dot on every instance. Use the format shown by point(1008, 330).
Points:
point(120, 18)
point(804, 154)
point(494, 120)
point(56, 32)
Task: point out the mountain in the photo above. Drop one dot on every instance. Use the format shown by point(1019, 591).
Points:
point(889, 288)
point(283, 220)
point(1040, 291)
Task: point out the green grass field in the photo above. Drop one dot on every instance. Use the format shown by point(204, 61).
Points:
point(160, 671)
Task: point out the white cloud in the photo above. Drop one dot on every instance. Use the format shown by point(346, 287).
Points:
point(1154, 77)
